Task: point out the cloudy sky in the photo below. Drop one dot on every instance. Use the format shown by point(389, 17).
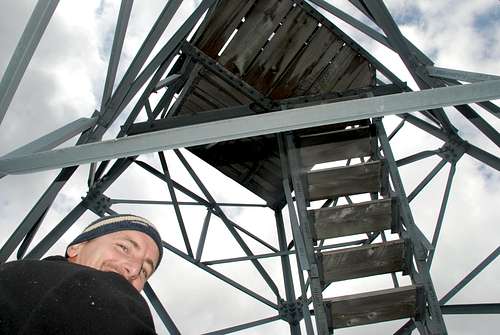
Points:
point(65, 80)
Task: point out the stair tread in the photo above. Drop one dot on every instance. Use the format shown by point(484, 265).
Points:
point(363, 217)
point(346, 180)
point(376, 306)
point(337, 145)
point(364, 261)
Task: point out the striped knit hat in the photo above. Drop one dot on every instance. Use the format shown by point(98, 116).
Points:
point(114, 223)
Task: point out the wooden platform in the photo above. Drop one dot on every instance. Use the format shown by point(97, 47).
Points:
point(257, 53)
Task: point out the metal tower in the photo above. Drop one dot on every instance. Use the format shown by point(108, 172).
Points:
point(280, 100)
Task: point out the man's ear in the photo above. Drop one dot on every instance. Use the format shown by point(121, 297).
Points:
point(74, 250)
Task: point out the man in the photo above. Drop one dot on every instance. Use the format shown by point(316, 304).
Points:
point(95, 289)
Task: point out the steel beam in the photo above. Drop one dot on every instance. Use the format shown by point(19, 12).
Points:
point(471, 309)
point(54, 138)
point(426, 180)
point(409, 326)
point(116, 49)
point(474, 118)
point(115, 104)
point(353, 22)
point(220, 276)
point(204, 202)
point(25, 49)
point(408, 55)
point(160, 310)
point(435, 324)
point(484, 156)
point(203, 236)
point(444, 203)
point(286, 268)
point(185, 203)
point(261, 124)
point(177, 209)
point(166, 53)
point(55, 234)
point(466, 76)
point(295, 170)
point(490, 258)
point(167, 81)
point(244, 326)
point(265, 275)
point(415, 157)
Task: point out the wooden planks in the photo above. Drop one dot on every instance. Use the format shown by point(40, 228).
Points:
point(317, 68)
point(337, 145)
point(221, 24)
point(364, 261)
point(345, 220)
point(345, 180)
point(339, 64)
point(260, 23)
point(378, 306)
point(304, 64)
point(281, 49)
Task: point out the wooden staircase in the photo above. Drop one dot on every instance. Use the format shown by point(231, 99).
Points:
point(372, 217)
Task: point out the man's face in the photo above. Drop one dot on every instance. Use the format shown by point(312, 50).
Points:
point(130, 253)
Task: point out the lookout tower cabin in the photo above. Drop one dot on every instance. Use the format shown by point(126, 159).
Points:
point(261, 56)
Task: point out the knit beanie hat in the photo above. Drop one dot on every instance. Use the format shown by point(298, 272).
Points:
point(113, 223)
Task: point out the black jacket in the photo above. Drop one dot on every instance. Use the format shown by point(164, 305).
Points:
point(54, 296)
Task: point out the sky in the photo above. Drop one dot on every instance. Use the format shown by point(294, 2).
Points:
point(65, 79)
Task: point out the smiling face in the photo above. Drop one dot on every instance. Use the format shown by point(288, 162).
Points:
point(130, 253)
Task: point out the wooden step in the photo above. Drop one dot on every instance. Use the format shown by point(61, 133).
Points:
point(364, 261)
point(337, 145)
point(363, 217)
point(377, 306)
point(329, 183)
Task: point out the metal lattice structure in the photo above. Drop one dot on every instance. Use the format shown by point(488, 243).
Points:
point(277, 98)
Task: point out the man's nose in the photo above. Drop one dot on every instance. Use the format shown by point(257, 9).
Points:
point(131, 269)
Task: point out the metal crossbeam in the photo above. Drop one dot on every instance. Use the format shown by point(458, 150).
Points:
point(261, 124)
point(466, 76)
point(24, 51)
point(160, 309)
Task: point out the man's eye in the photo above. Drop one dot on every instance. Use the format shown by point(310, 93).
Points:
point(144, 273)
point(123, 247)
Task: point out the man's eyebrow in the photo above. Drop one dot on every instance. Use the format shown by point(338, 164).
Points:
point(134, 243)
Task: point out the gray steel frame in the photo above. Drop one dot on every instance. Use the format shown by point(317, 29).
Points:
point(38, 155)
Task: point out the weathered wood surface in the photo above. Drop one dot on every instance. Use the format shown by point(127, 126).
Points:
point(304, 63)
point(364, 261)
point(355, 77)
point(357, 65)
point(214, 91)
point(345, 180)
point(205, 102)
point(377, 306)
point(225, 19)
point(345, 220)
point(337, 145)
point(367, 77)
point(260, 22)
point(218, 83)
point(186, 91)
point(339, 64)
point(308, 81)
point(280, 51)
